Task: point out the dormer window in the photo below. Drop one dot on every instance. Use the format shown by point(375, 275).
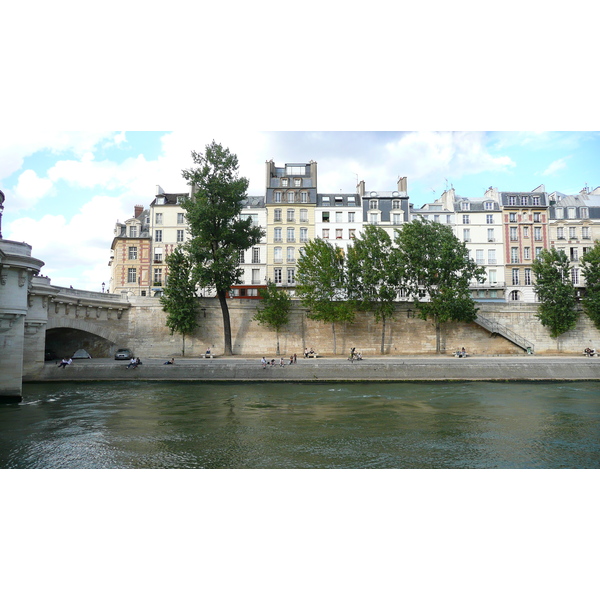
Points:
point(583, 211)
point(372, 204)
point(297, 182)
point(464, 206)
point(285, 182)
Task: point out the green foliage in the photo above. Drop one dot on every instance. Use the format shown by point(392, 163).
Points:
point(433, 261)
point(372, 276)
point(555, 292)
point(217, 231)
point(213, 211)
point(320, 284)
point(274, 308)
point(179, 294)
point(591, 271)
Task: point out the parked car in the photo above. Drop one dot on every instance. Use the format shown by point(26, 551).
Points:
point(123, 354)
point(81, 353)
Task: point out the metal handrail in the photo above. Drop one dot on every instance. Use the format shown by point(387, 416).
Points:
point(509, 334)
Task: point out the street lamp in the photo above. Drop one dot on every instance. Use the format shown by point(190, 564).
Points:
point(103, 284)
point(1, 210)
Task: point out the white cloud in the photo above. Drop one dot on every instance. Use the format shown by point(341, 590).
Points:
point(557, 165)
point(29, 189)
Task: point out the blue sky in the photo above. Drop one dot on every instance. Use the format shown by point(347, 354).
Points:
point(65, 191)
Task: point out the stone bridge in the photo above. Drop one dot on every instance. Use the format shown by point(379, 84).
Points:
point(60, 321)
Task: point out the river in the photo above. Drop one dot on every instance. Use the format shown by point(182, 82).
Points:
point(473, 425)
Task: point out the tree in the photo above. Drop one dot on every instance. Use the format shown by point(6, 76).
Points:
point(179, 295)
point(591, 271)
point(555, 291)
point(372, 275)
point(274, 309)
point(320, 283)
point(218, 234)
point(435, 263)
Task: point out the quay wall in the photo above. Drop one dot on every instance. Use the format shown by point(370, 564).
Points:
point(147, 334)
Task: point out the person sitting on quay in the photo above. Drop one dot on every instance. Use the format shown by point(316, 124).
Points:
point(305, 352)
point(170, 362)
point(207, 353)
point(590, 352)
point(132, 363)
point(63, 363)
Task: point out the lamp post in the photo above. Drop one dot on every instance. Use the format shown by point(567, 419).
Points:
point(103, 284)
point(1, 210)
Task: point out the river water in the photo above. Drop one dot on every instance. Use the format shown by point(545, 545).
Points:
point(477, 425)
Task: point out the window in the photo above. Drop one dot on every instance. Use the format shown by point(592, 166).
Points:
point(255, 276)
point(158, 219)
point(488, 206)
point(133, 231)
point(489, 219)
point(325, 217)
point(537, 218)
point(560, 233)
point(448, 219)
point(464, 206)
point(291, 276)
point(466, 235)
point(291, 215)
point(158, 235)
point(131, 276)
point(132, 252)
point(492, 257)
point(295, 170)
point(395, 204)
point(524, 200)
point(490, 235)
point(304, 197)
point(338, 217)
point(527, 276)
point(465, 219)
point(352, 233)
point(585, 233)
point(277, 274)
point(291, 235)
point(303, 234)
point(493, 293)
point(583, 211)
point(512, 200)
point(575, 276)
point(436, 218)
point(535, 200)
point(513, 234)
point(158, 254)
point(291, 255)
point(492, 276)
point(514, 295)
point(574, 254)
point(373, 218)
point(157, 276)
point(571, 211)
point(277, 215)
point(372, 204)
point(515, 276)
point(325, 234)
point(338, 234)
point(479, 257)
point(297, 182)
point(180, 218)
point(512, 217)
point(325, 200)
point(351, 201)
point(277, 254)
point(180, 235)
point(241, 257)
point(537, 234)
point(290, 197)
point(253, 217)
point(527, 253)
point(351, 216)
point(572, 233)
point(397, 218)
point(277, 234)
point(526, 231)
point(514, 255)
point(278, 197)
point(284, 182)
point(538, 251)
point(255, 255)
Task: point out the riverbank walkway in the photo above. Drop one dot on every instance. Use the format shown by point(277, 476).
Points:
point(333, 368)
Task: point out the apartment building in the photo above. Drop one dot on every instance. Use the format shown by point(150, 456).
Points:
point(290, 201)
point(338, 219)
point(525, 223)
point(130, 255)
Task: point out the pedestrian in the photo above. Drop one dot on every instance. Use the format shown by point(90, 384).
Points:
point(281, 362)
point(263, 362)
point(295, 358)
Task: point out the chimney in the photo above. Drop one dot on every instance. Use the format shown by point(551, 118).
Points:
point(360, 189)
point(137, 210)
point(402, 184)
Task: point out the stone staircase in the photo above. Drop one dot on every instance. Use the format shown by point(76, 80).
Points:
point(496, 328)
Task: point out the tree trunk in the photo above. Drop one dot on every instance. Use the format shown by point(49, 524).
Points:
point(438, 335)
point(383, 334)
point(226, 324)
point(334, 341)
point(277, 332)
point(183, 344)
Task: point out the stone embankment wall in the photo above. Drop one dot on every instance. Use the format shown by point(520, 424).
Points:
point(405, 334)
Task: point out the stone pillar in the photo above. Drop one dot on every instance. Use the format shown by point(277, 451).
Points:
point(17, 269)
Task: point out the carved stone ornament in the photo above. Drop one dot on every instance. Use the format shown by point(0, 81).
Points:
point(7, 320)
point(32, 327)
point(22, 278)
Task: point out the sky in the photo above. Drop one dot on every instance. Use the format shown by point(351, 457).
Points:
point(66, 190)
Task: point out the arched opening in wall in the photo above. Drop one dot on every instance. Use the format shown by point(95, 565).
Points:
point(514, 295)
point(64, 341)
